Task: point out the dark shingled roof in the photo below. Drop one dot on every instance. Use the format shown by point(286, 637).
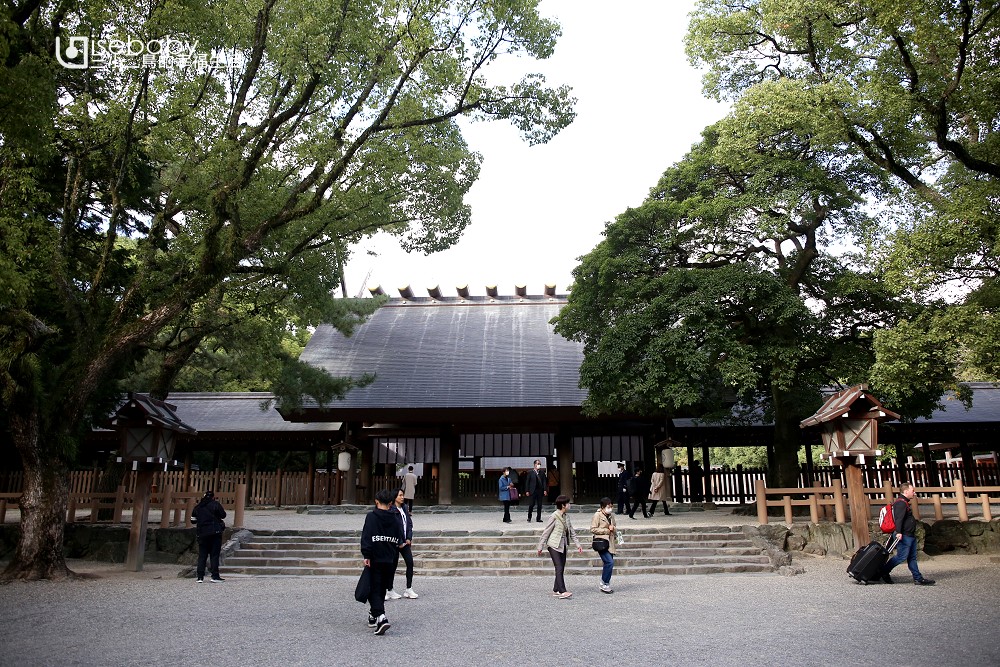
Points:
point(215, 413)
point(475, 352)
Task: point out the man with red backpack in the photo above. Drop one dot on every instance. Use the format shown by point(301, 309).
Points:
point(906, 534)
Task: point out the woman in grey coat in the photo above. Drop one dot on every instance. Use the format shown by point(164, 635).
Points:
point(556, 536)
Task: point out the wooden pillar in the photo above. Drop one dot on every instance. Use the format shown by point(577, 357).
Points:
point(930, 465)
point(706, 466)
point(448, 469)
point(969, 476)
point(311, 478)
point(809, 466)
point(251, 470)
point(690, 494)
point(187, 470)
point(367, 462)
point(140, 520)
point(858, 502)
point(564, 454)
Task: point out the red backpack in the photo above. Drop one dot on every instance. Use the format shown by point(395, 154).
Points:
point(885, 519)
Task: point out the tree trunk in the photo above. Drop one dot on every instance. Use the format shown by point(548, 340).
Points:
point(39, 553)
point(787, 438)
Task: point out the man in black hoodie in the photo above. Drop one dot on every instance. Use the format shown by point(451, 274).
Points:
point(381, 539)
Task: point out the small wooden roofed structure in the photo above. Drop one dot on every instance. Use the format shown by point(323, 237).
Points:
point(849, 421)
point(243, 422)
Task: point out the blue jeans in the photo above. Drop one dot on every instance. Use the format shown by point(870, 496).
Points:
point(906, 551)
point(609, 566)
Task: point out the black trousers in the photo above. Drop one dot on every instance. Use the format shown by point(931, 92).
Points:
point(559, 560)
point(623, 506)
point(638, 500)
point(382, 575)
point(407, 554)
point(209, 545)
point(506, 510)
point(666, 508)
point(536, 498)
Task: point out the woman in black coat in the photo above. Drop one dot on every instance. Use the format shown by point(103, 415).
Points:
point(208, 515)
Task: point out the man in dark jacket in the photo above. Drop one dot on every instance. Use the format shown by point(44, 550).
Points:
point(639, 489)
point(535, 488)
point(381, 539)
point(906, 534)
point(623, 479)
point(208, 515)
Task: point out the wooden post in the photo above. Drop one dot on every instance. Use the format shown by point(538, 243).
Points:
point(761, 489)
point(840, 512)
point(858, 501)
point(140, 519)
point(119, 503)
point(789, 519)
point(165, 502)
point(987, 514)
point(814, 506)
point(240, 505)
point(278, 494)
point(963, 510)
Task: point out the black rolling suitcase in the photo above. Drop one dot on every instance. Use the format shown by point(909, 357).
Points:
point(869, 560)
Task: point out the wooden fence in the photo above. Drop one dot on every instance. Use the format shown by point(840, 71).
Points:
point(174, 507)
point(719, 485)
point(826, 502)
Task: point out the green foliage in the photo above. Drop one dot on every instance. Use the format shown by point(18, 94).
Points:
point(724, 286)
point(184, 210)
point(907, 94)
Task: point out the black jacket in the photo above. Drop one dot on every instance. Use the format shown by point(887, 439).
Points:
point(623, 479)
point(903, 516)
point(381, 536)
point(208, 515)
point(638, 486)
point(405, 520)
point(536, 482)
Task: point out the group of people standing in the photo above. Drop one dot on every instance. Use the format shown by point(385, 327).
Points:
point(636, 488)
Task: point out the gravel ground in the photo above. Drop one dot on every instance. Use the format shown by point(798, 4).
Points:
point(817, 618)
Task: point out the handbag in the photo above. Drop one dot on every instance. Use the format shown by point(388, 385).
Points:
point(513, 492)
point(600, 545)
point(364, 588)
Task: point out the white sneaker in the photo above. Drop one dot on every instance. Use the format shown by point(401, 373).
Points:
point(606, 588)
point(392, 595)
point(408, 593)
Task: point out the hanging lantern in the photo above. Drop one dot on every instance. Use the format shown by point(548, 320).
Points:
point(344, 461)
point(667, 457)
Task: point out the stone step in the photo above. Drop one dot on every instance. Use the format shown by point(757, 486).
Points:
point(538, 571)
point(663, 550)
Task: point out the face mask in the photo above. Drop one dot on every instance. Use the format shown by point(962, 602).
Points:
point(607, 510)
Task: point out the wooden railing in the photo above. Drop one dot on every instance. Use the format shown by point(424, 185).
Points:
point(824, 502)
point(175, 507)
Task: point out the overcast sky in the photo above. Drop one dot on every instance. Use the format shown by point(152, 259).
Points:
point(536, 210)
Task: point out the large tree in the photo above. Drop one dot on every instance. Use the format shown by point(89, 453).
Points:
point(142, 197)
point(728, 282)
point(913, 88)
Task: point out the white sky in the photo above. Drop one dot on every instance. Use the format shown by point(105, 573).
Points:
point(536, 210)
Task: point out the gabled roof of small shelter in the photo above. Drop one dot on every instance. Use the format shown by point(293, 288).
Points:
point(854, 402)
point(455, 352)
point(214, 413)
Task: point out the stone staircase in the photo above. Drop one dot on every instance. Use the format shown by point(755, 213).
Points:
point(511, 552)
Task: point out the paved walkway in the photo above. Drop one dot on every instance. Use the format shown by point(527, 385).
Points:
point(817, 618)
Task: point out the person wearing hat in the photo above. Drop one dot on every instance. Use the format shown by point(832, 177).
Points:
point(623, 479)
point(208, 514)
